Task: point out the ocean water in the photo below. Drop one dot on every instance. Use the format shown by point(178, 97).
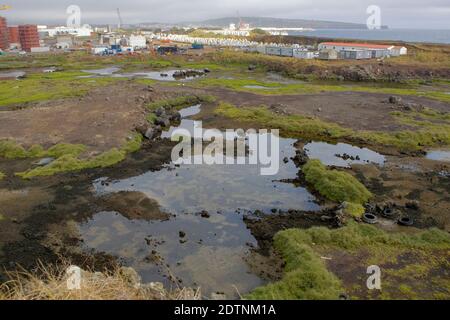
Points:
point(408, 35)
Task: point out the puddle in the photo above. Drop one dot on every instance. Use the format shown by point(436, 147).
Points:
point(439, 155)
point(342, 154)
point(260, 87)
point(213, 256)
point(102, 72)
point(12, 75)
point(165, 75)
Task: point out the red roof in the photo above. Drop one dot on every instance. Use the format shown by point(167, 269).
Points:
point(361, 45)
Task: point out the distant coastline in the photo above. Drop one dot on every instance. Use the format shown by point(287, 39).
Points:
point(407, 35)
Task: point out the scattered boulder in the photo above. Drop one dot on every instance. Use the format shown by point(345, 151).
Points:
point(44, 162)
point(162, 121)
point(301, 158)
point(160, 111)
point(395, 100)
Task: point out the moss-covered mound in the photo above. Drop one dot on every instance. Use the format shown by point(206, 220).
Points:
point(337, 186)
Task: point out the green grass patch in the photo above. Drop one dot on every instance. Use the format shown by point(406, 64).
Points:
point(41, 87)
point(306, 275)
point(11, 150)
point(70, 162)
point(2, 176)
point(338, 186)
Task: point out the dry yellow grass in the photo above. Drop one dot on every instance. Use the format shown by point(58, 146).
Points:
point(50, 283)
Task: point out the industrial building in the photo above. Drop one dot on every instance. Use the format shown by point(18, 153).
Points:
point(378, 50)
point(29, 37)
point(4, 34)
point(328, 54)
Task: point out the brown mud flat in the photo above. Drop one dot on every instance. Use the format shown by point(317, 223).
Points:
point(355, 110)
point(102, 119)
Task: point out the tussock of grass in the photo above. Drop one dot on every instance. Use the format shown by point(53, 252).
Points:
point(50, 283)
point(2, 176)
point(294, 126)
point(11, 150)
point(337, 186)
point(306, 276)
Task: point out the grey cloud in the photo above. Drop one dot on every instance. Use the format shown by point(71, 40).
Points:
point(395, 13)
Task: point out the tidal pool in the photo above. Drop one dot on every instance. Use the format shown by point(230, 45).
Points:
point(342, 154)
point(212, 253)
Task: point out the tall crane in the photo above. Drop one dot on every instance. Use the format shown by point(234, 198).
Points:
point(119, 26)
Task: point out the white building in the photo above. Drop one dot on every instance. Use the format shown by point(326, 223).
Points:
point(137, 42)
point(84, 31)
point(399, 51)
point(343, 46)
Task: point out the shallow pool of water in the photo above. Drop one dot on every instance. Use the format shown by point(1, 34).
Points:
point(259, 87)
point(439, 155)
point(12, 74)
point(342, 154)
point(103, 72)
point(212, 256)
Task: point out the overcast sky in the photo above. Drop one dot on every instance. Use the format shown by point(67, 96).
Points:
point(395, 13)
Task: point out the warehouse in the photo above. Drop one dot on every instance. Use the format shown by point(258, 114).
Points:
point(286, 52)
point(303, 54)
point(273, 51)
point(328, 54)
point(355, 54)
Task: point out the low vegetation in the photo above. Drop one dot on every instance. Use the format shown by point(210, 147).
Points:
point(11, 150)
point(50, 283)
point(70, 162)
point(41, 87)
point(2, 176)
point(337, 186)
point(308, 277)
point(67, 156)
point(276, 88)
point(425, 134)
